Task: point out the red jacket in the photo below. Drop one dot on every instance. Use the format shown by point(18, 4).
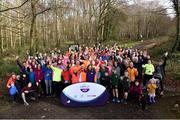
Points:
point(66, 75)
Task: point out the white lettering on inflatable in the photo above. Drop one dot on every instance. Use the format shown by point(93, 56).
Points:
point(84, 92)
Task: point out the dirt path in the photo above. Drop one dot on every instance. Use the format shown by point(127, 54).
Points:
point(51, 108)
point(147, 44)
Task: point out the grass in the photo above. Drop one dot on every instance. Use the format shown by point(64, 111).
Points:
point(173, 64)
point(8, 65)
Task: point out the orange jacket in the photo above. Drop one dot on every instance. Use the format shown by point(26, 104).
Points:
point(86, 63)
point(151, 88)
point(75, 78)
point(74, 68)
point(132, 73)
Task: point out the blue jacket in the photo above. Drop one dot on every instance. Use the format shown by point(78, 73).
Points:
point(32, 77)
point(47, 73)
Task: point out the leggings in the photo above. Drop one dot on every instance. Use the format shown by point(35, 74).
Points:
point(161, 85)
point(146, 79)
point(56, 88)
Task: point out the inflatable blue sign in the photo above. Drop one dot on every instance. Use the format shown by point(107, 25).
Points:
point(84, 94)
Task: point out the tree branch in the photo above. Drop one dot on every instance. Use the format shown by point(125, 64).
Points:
point(42, 11)
point(15, 7)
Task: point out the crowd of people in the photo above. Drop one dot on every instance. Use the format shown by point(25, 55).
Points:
point(128, 74)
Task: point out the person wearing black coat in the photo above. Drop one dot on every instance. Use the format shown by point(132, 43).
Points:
point(160, 72)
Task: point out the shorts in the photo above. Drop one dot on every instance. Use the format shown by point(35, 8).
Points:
point(114, 86)
point(125, 90)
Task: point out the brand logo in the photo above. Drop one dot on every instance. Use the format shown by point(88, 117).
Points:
point(84, 88)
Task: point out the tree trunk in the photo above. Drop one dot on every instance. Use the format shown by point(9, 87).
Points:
point(33, 3)
point(176, 46)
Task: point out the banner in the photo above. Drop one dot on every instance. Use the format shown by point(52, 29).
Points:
point(84, 94)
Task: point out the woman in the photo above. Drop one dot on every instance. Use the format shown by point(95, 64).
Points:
point(39, 78)
point(90, 74)
point(82, 75)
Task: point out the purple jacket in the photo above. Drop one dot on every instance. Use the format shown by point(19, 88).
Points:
point(38, 75)
point(90, 75)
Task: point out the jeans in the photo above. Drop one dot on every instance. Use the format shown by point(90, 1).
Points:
point(13, 97)
point(48, 86)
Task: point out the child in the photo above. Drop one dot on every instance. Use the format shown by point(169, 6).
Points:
point(13, 92)
point(136, 91)
point(151, 88)
point(125, 86)
point(114, 79)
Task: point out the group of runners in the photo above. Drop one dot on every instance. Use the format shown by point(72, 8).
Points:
point(128, 74)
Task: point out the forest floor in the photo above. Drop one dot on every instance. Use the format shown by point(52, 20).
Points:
point(166, 106)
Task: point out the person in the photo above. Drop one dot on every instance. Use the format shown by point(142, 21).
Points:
point(82, 75)
point(29, 89)
point(125, 86)
point(31, 75)
point(114, 79)
point(160, 72)
point(90, 74)
point(148, 72)
point(160, 75)
point(13, 92)
point(75, 77)
point(39, 79)
point(104, 80)
point(66, 76)
point(78, 66)
point(38, 74)
point(151, 88)
point(164, 58)
point(47, 78)
point(56, 78)
point(133, 73)
point(22, 67)
point(118, 69)
point(136, 92)
point(138, 65)
point(11, 80)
